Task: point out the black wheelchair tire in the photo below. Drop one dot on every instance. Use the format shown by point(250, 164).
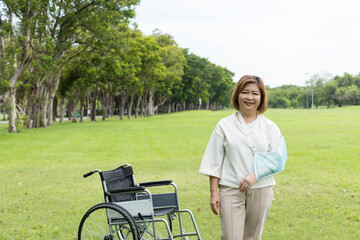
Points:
point(126, 219)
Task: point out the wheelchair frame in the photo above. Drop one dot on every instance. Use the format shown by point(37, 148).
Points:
point(131, 211)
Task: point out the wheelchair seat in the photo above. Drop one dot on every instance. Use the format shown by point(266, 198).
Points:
point(122, 179)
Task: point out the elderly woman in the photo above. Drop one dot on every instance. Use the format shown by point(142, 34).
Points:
point(243, 153)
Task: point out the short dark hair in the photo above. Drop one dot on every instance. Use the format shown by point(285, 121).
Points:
point(240, 86)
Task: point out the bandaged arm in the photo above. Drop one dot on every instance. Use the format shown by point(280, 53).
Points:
point(270, 163)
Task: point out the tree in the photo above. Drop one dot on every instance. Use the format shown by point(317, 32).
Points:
point(327, 93)
point(52, 28)
point(194, 87)
point(16, 47)
point(221, 86)
point(151, 71)
point(286, 96)
point(173, 61)
point(344, 89)
point(354, 92)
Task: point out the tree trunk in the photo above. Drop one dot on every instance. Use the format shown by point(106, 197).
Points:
point(74, 110)
point(39, 89)
point(93, 107)
point(142, 107)
point(82, 109)
point(137, 107)
point(169, 108)
point(122, 105)
point(150, 105)
point(62, 103)
point(54, 82)
point(37, 106)
point(104, 99)
point(161, 103)
point(54, 112)
point(77, 95)
point(36, 115)
point(69, 109)
point(130, 105)
point(93, 104)
point(105, 111)
point(50, 111)
point(155, 111)
point(12, 115)
point(30, 106)
point(112, 105)
point(2, 45)
point(44, 107)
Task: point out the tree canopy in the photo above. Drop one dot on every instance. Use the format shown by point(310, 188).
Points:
point(67, 58)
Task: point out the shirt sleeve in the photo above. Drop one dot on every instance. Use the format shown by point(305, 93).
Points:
point(213, 158)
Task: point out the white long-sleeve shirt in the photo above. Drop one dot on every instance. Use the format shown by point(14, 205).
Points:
point(228, 156)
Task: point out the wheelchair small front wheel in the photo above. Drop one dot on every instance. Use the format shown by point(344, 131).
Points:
point(107, 221)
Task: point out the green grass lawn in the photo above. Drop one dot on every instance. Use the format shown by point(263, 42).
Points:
point(43, 194)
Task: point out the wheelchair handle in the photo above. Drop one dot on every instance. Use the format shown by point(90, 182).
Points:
point(90, 173)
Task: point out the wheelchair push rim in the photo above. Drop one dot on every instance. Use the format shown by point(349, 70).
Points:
point(107, 221)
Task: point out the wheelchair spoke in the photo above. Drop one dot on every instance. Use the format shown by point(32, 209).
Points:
point(107, 222)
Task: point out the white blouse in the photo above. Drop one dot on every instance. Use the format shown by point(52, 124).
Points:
point(229, 157)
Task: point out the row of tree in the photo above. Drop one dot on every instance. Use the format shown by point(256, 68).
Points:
point(62, 57)
point(320, 90)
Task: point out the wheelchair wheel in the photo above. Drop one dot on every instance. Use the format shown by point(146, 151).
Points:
point(107, 221)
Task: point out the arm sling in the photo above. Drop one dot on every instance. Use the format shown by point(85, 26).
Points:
point(268, 163)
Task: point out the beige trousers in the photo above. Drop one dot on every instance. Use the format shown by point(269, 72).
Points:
point(243, 214)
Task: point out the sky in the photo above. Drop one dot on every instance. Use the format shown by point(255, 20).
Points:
point(282, 41)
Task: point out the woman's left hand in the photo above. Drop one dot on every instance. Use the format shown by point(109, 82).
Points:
point(247, 182)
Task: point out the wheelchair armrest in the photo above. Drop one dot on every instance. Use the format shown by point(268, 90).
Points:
point(125, 190)
point(156, 183)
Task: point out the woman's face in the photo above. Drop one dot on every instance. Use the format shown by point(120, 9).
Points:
point(249, 98)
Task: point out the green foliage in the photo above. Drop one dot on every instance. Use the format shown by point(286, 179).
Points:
point(4, 86)
point(20, 123)
point(221, 85)
point(288, 96)
point(53, 28)
point(340, 90)
point(173, 61)
point(205, 81)
point(41, 121)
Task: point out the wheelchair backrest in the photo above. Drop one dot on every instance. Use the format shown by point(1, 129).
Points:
point(119, 178)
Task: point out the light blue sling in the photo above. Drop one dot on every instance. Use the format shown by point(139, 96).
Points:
point(269, 163)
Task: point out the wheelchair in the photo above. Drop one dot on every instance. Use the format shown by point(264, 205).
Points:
point(132, 212)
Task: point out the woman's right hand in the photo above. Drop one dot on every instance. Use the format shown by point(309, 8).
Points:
point(214, 195)
point(215, 203)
